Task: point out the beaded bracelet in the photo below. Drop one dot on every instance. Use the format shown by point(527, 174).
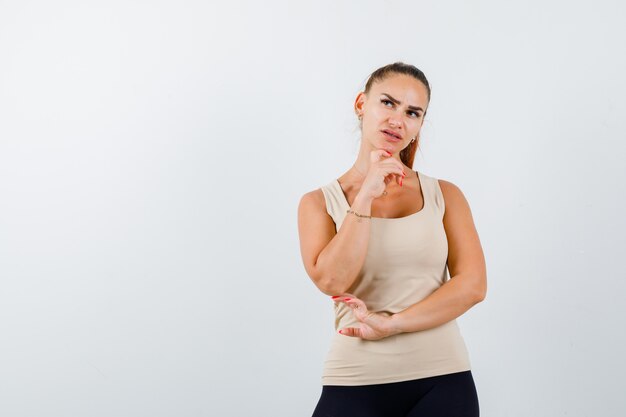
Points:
point(357, 214)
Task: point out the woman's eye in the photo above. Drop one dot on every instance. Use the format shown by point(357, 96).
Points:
point(387, 101)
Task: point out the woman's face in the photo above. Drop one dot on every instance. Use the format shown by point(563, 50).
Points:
point(396, 104)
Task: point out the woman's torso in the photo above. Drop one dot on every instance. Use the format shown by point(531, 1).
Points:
point(406, 261)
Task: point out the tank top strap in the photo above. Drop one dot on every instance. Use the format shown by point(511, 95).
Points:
point(433, 196)
point(336, 205)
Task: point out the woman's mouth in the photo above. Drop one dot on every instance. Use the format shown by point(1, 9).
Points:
point(390, 137)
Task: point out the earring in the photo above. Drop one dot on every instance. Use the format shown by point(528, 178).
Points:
point(413, 140)
point(360, 117)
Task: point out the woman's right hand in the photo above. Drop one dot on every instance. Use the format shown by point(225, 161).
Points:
point(383, 169)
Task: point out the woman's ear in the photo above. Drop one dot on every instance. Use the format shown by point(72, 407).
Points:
point(359, 101)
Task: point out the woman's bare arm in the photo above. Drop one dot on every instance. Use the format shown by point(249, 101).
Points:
point(467, 285)
point(332, 259)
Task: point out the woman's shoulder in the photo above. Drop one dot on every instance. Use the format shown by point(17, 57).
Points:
point(313, 197)
point(450, 190)
point(454, 199)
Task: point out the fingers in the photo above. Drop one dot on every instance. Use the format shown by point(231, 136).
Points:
point(379, 154)
point(398, 178)
point(343, 295)
point(391, 166)
point(358, 306)
point(350, 331)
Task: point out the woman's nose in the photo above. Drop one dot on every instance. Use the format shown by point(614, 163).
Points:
point(394, 122)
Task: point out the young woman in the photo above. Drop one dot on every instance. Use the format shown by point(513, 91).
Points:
point(398, 252)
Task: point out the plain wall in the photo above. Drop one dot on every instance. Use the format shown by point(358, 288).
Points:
point(153, 155)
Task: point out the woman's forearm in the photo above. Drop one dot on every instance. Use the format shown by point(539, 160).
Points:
point(343, 257)
point(448, 302)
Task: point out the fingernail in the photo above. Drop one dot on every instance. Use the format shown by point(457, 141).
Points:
point(340, 331)
point(347, 299)
point(400, 182)
point(335, 296)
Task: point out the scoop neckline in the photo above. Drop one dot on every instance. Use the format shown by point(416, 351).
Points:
point(421, 182)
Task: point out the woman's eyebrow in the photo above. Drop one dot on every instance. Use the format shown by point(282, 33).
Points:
point(398, 102)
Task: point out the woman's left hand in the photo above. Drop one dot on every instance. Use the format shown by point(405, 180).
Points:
point(372, 326)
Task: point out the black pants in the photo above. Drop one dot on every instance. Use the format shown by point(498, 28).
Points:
point(450, 395)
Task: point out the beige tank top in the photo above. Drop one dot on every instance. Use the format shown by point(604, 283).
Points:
point(406, 261)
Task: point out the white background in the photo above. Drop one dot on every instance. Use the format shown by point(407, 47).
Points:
point(153, 154)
